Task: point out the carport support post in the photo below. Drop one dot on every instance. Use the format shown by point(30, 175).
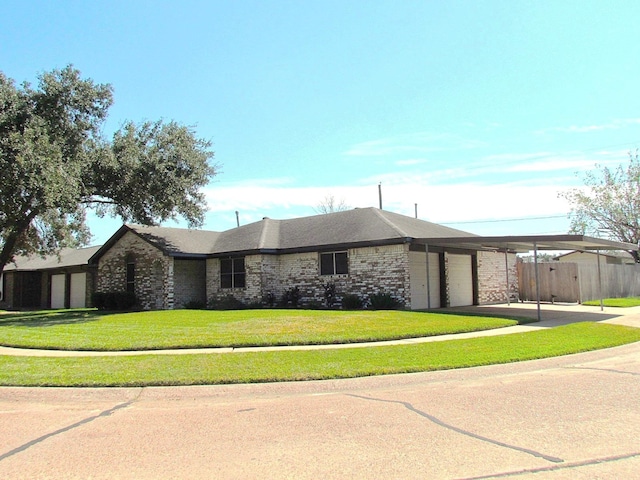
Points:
point(599, 281)
point(506, 269)
point(426, 251)
point(535, 260)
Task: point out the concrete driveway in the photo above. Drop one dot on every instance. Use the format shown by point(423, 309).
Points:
point(572, 417)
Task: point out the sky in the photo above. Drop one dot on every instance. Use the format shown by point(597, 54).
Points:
point(474, 114)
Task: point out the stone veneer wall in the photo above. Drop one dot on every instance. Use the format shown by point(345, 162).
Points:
point(153, 273)
point(371, 270)
point(492, 279)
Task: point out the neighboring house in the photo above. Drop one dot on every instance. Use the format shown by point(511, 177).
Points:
point(361, 251)
point(591, 258)
point(55, 281)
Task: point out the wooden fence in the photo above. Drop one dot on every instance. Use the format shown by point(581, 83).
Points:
point(573, 282)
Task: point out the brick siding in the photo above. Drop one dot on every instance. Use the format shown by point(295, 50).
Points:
point(371, 270)
point(153, 279)
point(492, 277)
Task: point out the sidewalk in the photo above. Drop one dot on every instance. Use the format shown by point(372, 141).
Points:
point(552, 316)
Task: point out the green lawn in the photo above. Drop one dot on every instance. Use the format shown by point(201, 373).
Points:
point(616, 302)
point(189, 369)
point(93, 330)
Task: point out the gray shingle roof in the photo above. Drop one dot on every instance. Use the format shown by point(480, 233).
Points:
point(68, 257)
point(178, 241)
point(358, 227)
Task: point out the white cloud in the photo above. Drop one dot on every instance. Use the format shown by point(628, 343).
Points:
point(612, 125)
point(421, 142)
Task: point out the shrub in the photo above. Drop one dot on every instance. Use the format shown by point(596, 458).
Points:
point(113, 300)
point(194, 305)
point(352, 302)
point(228, 302)
point(98, 300)
point(329, 294)
point(269, 299)
point(291, 297)
point(383, 301)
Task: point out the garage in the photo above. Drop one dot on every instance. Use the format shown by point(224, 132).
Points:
point(58, 290)
point(460, 280)
point(78, 290)
point(419, 287)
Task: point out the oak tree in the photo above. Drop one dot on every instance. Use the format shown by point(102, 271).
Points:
point(55, 164)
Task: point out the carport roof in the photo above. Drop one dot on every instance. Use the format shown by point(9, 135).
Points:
point(529, 242)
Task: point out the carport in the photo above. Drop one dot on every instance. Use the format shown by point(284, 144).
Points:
point(527, 243)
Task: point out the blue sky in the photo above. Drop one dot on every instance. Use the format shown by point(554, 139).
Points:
point(479, 112)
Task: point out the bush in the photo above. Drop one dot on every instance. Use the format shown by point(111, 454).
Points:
point(383, 301)
point(269, 299)
point(228, 302)
point(98, 300)
point(113, 300)
point(352, 302)
point(291, 297)
point(194, 305)
point(329, 294)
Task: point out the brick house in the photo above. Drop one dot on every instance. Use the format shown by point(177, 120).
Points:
point(360, 251)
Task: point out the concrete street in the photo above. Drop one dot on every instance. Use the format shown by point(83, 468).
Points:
point(572, 417)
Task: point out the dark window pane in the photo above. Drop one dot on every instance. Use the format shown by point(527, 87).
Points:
point(342, 263)
point(326, 264)
point(226, 281)
point(239, 280)
point(131, 275)
point(238, 265)
point(226, 265)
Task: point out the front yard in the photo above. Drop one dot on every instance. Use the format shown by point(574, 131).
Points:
point(93, 330)
point(168, 329)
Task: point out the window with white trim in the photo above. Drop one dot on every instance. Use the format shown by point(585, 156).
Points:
point(334, 263)
point(232, 273)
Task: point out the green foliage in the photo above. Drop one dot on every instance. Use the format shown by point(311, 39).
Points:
point(56, 164)
point(291, 297)
point(610, 204)
point(329, 294)
point(195, 305)
point(113, 300)
point(383, 301)
point(351, 301)
point(227, 302)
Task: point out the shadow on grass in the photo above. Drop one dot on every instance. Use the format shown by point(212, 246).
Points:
point(44, 318)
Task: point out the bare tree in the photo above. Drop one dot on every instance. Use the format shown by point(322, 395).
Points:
point(330, 205)
point(609, 204)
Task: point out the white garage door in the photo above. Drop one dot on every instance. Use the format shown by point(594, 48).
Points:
point(460, 280)
point(78, 290)
point(57, 291)
point(418, 274)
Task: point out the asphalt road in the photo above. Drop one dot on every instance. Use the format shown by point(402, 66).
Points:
point(572, 417)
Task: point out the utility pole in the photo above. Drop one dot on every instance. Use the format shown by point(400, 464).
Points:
point(380, 194)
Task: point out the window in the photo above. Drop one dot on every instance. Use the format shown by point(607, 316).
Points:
point(131, 277)
point(334, 263)
point(232, 273)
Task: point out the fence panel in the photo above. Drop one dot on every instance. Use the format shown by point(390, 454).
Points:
point(572, 282)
